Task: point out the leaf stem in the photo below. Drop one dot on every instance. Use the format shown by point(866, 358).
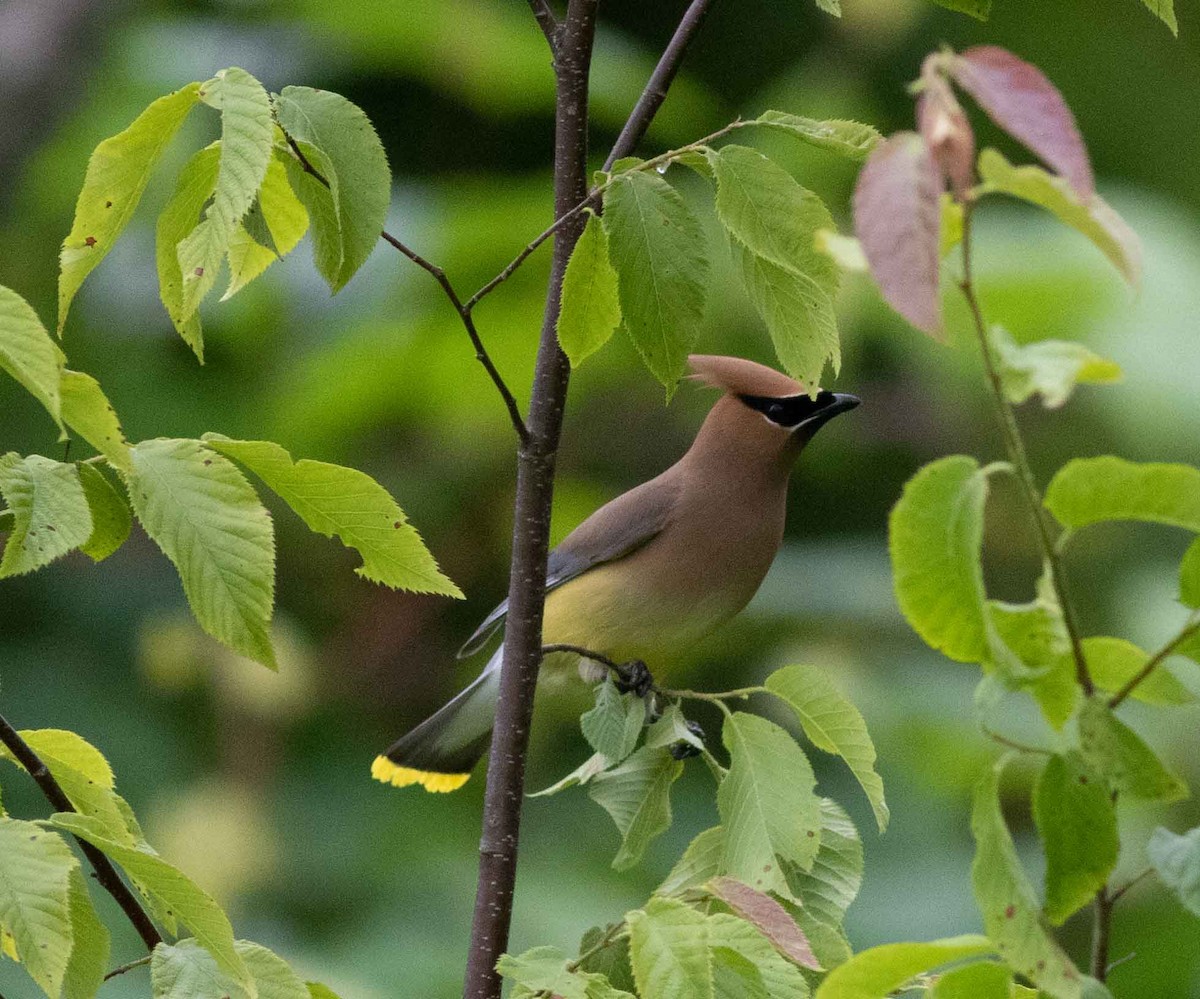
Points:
point(106, 874)
point(610, 937)
point(1101, 933)
point(1022, 747)
point(1156, 660)
point(1119, 892)
point(1015, 446)
point(129, 967)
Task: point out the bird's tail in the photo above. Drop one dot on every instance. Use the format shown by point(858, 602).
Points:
point(440, 753)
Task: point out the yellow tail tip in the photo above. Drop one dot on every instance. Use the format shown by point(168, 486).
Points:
point(387, 772)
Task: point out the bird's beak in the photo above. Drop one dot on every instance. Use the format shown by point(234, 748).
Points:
point(839, 402)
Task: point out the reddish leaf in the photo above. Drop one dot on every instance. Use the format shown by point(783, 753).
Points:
point(898, 219)
point(944, 127)
point(768, 917)
point(1018, 97)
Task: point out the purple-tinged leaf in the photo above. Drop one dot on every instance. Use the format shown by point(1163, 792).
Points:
point(768, 917)
point(1017, 96)
point(944, 127)
point(898, 220)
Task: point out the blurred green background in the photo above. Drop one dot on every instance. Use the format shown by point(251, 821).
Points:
point(257, 783)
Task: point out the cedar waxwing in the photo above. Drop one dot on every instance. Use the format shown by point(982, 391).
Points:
point(654, 570)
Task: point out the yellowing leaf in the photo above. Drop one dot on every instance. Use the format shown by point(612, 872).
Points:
point(334, 500)
point(88, 412)
point(28, 354)
point(72, 749)
point(591, 308)
point(769, 917)
point(50, 509)
point(1050, 368)
point(117, 174)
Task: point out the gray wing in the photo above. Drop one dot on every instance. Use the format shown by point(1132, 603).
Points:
point(612, 532)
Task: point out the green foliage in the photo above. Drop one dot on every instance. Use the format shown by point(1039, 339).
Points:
point(1035, 653)
point(851, 139)
point(1164, 10)
point(1189, 576)
point(1078, 825)
point(117, 174)
point(1049, 368)
point(1120, 756)
point(591, 306)
point(350, 157)
point(1176, 860)
point(90, 943)
point(1115, 661)
point(767, 916)
point(546, 971)
point(28, 354)
point(833, 724)
point(1092, 490)
point(657, 249)
point(185, 970)
point(780, 977)
point(875, 973)
point(828, 888)
point(979, 9)
point(637, 796)
point(333, 500)
point(202, 513)
point(110, 514)
point(668, 946)
point(976, 981)
point(613, 726)
point(87, 411)
point(50, 510)
point(699, 862)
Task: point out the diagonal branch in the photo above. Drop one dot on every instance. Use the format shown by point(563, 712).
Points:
point(1156, 660)
point(547, 22)
point(106, 874)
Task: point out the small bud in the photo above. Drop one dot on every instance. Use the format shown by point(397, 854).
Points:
point(947, 132)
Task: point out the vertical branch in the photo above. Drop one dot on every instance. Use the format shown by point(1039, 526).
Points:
point(1101, 932)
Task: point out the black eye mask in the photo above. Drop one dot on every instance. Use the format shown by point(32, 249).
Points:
point(789, 411)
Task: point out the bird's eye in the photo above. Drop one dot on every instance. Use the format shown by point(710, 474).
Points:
point(775, 410)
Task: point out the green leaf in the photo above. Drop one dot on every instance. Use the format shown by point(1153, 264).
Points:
point(1091, 216)
point(28, 354)
point(1189, 576)
point(833, 7)
point(874, 973)
point(1120, 756)
point(35, 909)
point(1091, 490)
point(768, 809)
point(736, 977)
point(247, 138)
point(1114, 661)
point(658, 251)
point(88, 797)
point(1164, 10)
point(333, 500)
point(781, 978)
point(185, 971)
point(90, 943)
point(72, 749)
point(87, 411)
point(1050, 368)
point(202, 513)
point(767, 916)
point(1078, 825)
point(700, 862)
point(353, 162)
point(671, 728)
point(595, 764)
point(544, 970)
point(179, 893)
point(591, 307)
point(1032, 651)
point(110, 514)
point(1176, 860)
point(978, 9)
point(611, 961)
point(117, 174)
point(282, 219)
point(936, 537)
point(668, 947)
point(181, 215)
point(322, 210)
point(847, 138)
point(637, 795)
point(612, 727)
point(318, 991)
point(984, 980)
point(1011, 916)
point(50, 510)
point(833, 724)
point(827, 890)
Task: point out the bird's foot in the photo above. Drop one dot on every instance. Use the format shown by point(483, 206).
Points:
point(634, 676)
point(684, 750)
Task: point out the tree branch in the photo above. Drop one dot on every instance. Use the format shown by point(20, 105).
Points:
point(1101, 934)
point(1154, 662)
point(547, 22)
point(106, 874)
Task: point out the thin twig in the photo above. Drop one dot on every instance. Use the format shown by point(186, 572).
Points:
point(1016, 452)
point(1022, 747)
point(106, 874)
point(1101, 933)
point(609, 938)
point(1119, 892)
point(464, 311)
point(547, 22)
point(129, 967)
point(1154, 662)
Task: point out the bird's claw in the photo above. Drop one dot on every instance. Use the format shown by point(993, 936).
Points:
point(684, 750)
point(634, 676)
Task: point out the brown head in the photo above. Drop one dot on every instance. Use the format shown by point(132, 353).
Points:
point(764, 417)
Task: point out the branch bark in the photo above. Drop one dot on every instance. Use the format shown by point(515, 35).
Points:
point(106, 874)
point(547, 22)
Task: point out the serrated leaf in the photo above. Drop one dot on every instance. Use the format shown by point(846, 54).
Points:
point(768, 917)
point(637, 795)
point(979, 9)
point(828, 888)
point(50, 511)
point(1176, 860)
point(936, 537)
point(613, 725)
point(984, 980)
point(247, 138)
point(1164, 10)
point(72, 749)
point(1019, 98)
point(353, 162)
point(833, 724)
point(768, 809)
point(111, 519)
point(28, 354)
point(595, 764)
point(736, 977)
point(117, 174)
point(1011, 915)
point(591, 306)
point(611, 961)
point(322, 210)
point(875, 973)
point(194, 907)
point(1089, 215)
point(700, 862)
point(1078, 827)
point(186, 971)
point(87, 411)
point(668, 946)
point(544, 970)
point(334, 500)
point(847, 138)
point(200, 510)
point(782, 979)
point(1120, 756)
point(1091, 490)
point(35, 910)
point(90, 943)
point(658, 252)
point(898, 221)
point(88, 796)
point(1049, 368)
point(1114, 661)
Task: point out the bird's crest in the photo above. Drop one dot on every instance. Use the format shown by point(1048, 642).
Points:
point(737, 376)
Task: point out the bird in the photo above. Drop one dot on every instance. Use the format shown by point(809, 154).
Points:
point(656, 569)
